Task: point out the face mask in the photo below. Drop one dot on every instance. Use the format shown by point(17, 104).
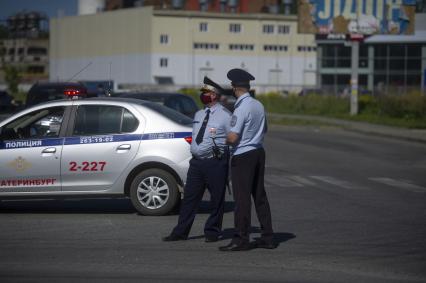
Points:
point(205, 99)
point(233, 93)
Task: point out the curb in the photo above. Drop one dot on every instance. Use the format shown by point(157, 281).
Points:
point(415, 135)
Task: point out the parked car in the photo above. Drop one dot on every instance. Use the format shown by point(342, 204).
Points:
point(98, 88)
point(47, 91)
point(97, 147)
point(7, 104)
point(177, 101)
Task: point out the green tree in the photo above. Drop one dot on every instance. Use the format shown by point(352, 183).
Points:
point(12, 78)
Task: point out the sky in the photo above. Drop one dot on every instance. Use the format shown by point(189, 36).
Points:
point(49, 7)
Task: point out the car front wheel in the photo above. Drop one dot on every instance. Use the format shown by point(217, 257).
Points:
point(154, 192)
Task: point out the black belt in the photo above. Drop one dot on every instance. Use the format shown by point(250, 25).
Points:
point(202, 158)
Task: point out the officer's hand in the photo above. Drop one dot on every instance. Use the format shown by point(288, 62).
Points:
point(232, 138)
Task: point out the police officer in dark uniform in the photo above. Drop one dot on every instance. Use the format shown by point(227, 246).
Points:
point(248, 127)
point(208, 167)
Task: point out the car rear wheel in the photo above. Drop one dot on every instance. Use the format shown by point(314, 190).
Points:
point(154, 192)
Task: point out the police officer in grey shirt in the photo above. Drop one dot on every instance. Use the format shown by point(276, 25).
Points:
point(248, 127)
point(208, 167)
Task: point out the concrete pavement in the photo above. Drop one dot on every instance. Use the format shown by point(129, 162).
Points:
point(418, 135)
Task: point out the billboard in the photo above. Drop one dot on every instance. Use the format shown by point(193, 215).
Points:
point(357, 16)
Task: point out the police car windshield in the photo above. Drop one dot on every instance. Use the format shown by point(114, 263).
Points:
point(169, 113)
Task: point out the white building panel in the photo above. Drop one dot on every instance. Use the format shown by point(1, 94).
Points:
point(135, 69)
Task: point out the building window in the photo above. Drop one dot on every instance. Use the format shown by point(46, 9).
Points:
point(203, 27)
point(164, 62)
point(35, 69)
point(164, 39)
point(302, 48)
point(269, 47)
point(247, 47)
point(164, 80)
point(235, 28)
point(202, 45)
point(284, 29)
point(204, 6)
point(37, 51)
point(268, 29)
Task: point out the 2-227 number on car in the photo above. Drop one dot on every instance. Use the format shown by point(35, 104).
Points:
point(87, 166)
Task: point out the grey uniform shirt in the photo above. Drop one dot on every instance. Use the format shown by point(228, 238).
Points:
point(217, 127)
point(249, 122)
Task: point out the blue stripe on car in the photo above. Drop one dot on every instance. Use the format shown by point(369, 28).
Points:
point(90, 139)
point(30, 143)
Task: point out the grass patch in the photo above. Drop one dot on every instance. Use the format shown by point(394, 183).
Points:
point(297, 122)
point(408, 111)
point(309, 105)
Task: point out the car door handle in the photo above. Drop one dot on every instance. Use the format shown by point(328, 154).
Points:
point(124, 147)
point(49, 150)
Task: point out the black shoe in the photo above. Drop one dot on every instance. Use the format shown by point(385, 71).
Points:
point(174, 237)
point(211, 239)
point(262, 244)
point(233, 247)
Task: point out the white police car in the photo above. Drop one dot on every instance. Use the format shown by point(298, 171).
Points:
point(97, 147)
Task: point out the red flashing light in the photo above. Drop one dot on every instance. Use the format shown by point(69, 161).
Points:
point(74, 92)
point(188, 139)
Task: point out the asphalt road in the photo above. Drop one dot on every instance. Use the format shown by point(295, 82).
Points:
point(346, 208)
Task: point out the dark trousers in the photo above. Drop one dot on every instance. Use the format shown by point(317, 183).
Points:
point(248, 171)
point(212, 173)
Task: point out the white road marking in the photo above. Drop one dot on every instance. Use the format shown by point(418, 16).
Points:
point(302, 180)
point(281, 181)
point(337, 182)
point(400, 184)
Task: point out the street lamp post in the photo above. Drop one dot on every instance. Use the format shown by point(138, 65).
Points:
point(354, 77)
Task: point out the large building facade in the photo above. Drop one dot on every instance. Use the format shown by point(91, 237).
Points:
point(388, 64)
point(144, 46)
point(25, 47)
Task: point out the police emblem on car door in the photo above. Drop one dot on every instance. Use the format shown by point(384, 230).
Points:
point(30, 152)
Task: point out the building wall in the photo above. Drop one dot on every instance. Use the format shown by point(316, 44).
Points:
point(106, 34)
point(388, 63)
point(29, 55)
point(120, 39)
point(125, 45)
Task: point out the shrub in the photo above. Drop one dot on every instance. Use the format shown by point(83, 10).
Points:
point(310, 104)
point(368, 104)
point(410, 106)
